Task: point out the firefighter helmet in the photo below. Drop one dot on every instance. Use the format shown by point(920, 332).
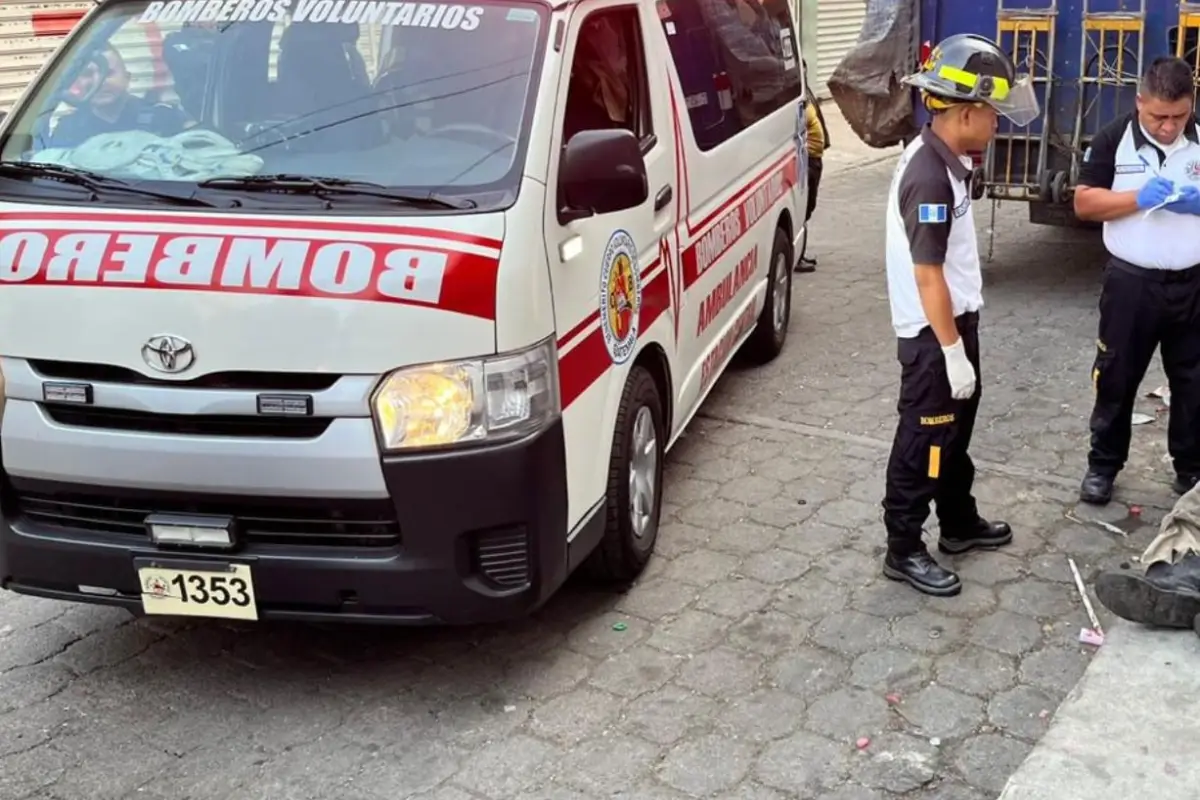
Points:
point(967, 68)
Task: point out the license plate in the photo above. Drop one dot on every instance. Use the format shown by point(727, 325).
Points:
point(225, 591)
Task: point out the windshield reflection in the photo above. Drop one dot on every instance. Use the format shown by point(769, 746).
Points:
point(150, 92)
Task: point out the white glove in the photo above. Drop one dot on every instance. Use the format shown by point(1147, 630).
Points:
point(959, 371)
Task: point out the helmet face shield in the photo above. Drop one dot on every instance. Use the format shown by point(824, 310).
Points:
point(1018, 102)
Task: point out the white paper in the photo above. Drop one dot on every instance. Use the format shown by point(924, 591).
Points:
point(1171, 198)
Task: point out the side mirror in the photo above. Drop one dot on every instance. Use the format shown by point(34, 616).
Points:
point(601, 171)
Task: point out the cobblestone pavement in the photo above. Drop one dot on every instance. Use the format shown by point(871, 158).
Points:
point(759, 649)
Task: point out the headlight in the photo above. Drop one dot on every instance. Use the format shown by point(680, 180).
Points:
point(489, 399)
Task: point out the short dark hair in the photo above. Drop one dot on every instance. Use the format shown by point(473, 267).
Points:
point(1168, 78)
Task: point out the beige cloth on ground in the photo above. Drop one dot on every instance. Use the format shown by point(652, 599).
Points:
point(1180, 531)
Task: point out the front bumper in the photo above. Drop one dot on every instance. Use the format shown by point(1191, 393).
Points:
point(469, 536)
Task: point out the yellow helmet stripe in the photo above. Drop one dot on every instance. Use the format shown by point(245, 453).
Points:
point(1000, 86)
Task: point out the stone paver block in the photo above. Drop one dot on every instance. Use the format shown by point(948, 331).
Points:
point(976, 670)
point(848, 714)
point(897, 763)
point(723, 672)
point(635, 672)
point(1024, 712)
point(1057, 669)
point(735, 598)
point(986, 761)
point(890, 670)
point(708, 766)
point(851, 632)
point(690, 632)
point(764, 715)
point(929, 632)
point(809, 672)
point(803, 764)
point(768, 633)
point(1006, 632)
point(669, 714)
point(942, 713)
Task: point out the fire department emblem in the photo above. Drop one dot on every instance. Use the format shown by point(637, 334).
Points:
point(156, 587)
point(620, 297)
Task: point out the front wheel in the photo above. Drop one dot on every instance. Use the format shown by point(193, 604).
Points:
point(770, 333)
point(635, 476)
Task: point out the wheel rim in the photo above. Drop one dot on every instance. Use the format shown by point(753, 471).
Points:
point(643, 472)
point(781, 293)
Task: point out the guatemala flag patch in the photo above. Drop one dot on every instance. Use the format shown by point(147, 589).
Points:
point(931, 213)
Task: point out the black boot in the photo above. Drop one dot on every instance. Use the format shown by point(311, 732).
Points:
point(1165, 596)
point(1184, 483)
point(983, 535)
point(1096, 488)
point(919, 570)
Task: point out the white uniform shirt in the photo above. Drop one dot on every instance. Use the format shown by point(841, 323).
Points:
point(1122, 158)
point(929, 221)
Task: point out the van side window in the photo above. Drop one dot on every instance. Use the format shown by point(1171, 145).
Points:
point(608, 87)
point(737, 62)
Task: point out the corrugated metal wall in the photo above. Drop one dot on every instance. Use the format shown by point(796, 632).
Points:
point(22, 53)
point(838, 24)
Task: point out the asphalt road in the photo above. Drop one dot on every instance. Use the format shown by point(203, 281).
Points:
point(758, 650)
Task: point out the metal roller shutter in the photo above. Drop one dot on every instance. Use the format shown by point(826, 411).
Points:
point(29, 32)
point(838, 24)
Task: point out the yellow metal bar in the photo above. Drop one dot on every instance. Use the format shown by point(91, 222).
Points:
point(1015, 24)
point(1131, 24)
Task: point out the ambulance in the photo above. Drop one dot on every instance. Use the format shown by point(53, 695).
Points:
point(379, 311)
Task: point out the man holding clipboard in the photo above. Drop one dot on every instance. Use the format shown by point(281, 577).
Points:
point(1141, 178)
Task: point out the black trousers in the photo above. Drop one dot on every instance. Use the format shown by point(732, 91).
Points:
point(930, 461)
point(815, 167)
point(1142, 310)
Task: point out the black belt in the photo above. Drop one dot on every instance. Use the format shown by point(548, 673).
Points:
point(1161, 275)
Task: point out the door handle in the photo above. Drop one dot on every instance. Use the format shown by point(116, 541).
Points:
point(663, 198)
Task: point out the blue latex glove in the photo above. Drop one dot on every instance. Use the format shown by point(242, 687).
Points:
point(1154, 192)
point(1189, 203)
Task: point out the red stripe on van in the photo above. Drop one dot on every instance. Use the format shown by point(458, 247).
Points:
point(54, 23)
point(589, 360)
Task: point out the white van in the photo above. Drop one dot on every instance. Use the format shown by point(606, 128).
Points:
point(359, 310)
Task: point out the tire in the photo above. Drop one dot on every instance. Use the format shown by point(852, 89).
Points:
point(770, 332)
point(625, 550)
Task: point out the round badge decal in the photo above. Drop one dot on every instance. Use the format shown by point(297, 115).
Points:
point(620, 297)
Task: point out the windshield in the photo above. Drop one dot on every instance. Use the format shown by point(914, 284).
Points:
point(427, 99)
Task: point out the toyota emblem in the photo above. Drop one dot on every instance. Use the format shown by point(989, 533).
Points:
point(166, 353)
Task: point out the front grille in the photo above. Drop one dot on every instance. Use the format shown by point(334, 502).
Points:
point(240, 380)
point(502, 556)
point(247, 425)
point(325, 523)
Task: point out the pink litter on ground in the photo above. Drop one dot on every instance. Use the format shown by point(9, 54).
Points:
point(1089, 636)
point(893, 699)
point(862, 743)
point(1135, 510)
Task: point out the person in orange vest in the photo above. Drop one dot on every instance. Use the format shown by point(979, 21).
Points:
point(818, 143)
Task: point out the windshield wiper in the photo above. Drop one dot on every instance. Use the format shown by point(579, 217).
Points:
point(92, 181)
point(284, 182)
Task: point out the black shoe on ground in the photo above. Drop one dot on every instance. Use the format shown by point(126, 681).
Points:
point(806, 265)
point(1184, 483)
point(984, 536)
point(1165, 596)
point(1096, 488)
point(920, 571)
